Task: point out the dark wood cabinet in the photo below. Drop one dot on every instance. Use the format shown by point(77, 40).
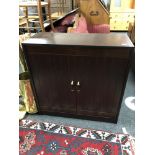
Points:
point(79, 74)
point(51, 77)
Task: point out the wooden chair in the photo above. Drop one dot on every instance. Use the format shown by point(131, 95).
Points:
point(39, 5)
point(61, 6)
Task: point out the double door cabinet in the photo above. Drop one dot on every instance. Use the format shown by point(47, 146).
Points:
point(81, 75)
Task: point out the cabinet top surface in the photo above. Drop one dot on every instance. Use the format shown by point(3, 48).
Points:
point(112, 39)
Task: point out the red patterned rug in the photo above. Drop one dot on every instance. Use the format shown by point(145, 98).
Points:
point(44, 138)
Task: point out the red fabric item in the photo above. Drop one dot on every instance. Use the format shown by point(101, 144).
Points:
point(82, 26)
point(61, 29)
point(102, 28)
point(68, 20)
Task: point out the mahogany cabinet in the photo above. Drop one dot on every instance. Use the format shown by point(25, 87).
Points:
point(82, 75)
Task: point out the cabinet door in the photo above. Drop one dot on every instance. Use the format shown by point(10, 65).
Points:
point(101, 84)
point(51, 78)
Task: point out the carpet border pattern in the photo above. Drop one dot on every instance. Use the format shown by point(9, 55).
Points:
point(127, 142)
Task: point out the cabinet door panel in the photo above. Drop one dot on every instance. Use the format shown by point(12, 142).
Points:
point(101, 86)
point(52, 83)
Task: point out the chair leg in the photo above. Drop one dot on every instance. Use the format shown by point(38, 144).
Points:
point(40, 15)
point(27, 20)
point(49, 14)
point(63, 10)
point(59, 3)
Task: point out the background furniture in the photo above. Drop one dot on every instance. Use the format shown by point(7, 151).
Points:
point(39, 4)
point(62, 24)
point(131, 34)
point(81, 26)
point(121, 14)
point(61, 4)
point(75, 77)
point(94, 11)
point(60, 7)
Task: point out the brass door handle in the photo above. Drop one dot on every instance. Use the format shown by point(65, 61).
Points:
point(78, 83)
point(78, 86)
point(75, 87)
point(72, 83)
point(72, 86)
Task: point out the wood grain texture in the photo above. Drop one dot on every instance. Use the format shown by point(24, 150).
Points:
point(94, 12)
point(99, 74)
point(52, 82)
